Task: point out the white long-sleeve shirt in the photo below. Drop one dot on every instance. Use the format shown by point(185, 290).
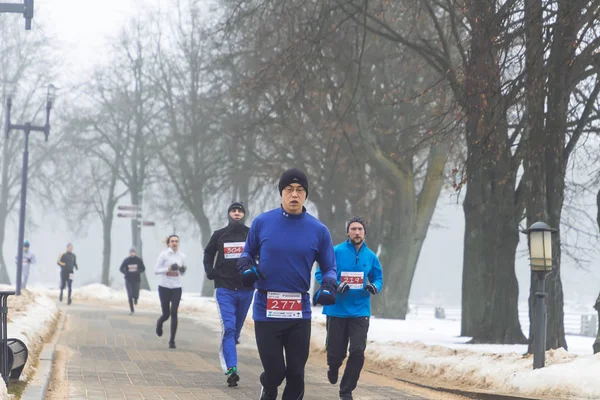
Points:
point(28, 258)
point(169, 279)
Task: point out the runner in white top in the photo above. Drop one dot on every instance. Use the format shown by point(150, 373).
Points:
point(170, 266)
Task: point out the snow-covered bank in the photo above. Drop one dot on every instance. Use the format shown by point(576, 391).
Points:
point(432, 349)
point(425, 348)
point(31, 318)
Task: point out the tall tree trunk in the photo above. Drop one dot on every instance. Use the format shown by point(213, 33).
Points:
point(107, 222)
point(490, 289)
point(4, 201)
point(208, 288)
point(136, 233)
point(544, 167)
point(106, 249)
point(560, 80)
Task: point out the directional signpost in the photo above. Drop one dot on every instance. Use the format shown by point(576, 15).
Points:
point(134, 212)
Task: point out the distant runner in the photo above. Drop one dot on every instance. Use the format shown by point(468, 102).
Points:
point(132, 267)
point(233, 299)
point(28, 261)
point(170, 265)
point(68, 264)
point(360, 277)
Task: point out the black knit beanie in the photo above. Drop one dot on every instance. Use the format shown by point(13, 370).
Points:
point(236, 205)
point(356, 219)
point(293, 176)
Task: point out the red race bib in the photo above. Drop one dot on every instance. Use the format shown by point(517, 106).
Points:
point(355, 280)
point(284, 305)
point(233, 249)
point(172, 273)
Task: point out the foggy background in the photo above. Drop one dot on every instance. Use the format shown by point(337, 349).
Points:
point(80, 40)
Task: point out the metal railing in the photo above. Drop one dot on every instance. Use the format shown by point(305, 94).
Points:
point(576, 323)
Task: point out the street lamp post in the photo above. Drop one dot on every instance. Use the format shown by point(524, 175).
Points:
point(27, 128)
point(540, 259)
point(25, 8)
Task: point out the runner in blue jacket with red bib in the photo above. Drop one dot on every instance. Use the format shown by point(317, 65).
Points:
point(360, 276)
point(286, 242)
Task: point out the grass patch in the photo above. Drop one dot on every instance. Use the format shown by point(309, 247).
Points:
point(17, 388)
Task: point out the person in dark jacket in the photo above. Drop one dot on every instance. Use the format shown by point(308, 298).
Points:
point(233, 299)
point(132, 267)
point(68, 264)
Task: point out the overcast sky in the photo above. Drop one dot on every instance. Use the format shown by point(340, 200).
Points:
point(81, 30)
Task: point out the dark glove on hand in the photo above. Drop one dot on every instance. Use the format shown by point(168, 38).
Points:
point(249, 276)
point(182, 269)
point(326, 293)
point(371, 288)
point(174, 267)
point(343, 288)
point(211, 274)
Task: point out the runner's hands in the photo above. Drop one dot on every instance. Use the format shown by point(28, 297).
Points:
point(343, 288)
point(371, 288)
point(182, 269)
point(249, 273)
point(174, 267)
point(326, 293)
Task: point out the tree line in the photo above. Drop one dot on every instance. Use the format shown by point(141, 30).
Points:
point(382, 103)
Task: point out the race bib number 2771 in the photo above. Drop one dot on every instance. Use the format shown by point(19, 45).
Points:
point(284, 305)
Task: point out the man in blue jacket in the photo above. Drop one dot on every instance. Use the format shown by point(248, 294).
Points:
point(286, 241)
point(360, 276)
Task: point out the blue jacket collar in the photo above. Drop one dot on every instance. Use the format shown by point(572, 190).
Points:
point(349, 244)
point(293, 216)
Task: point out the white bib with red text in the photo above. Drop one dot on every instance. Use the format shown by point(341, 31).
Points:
point(355, 280)
point(284, 305)
point(132, 267)
point(233, 249)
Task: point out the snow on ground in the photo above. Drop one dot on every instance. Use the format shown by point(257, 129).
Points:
point(30, 318)
point(426, 348)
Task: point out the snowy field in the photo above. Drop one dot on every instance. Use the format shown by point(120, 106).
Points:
point(426, 348)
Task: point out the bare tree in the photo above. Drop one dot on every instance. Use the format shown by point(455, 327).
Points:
point(322, 82)
point(24, 64)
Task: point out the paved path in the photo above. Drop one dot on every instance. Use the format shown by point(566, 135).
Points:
point(108, 354)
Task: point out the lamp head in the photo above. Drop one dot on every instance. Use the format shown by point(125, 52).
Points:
point(51, 96)
point(540, 246)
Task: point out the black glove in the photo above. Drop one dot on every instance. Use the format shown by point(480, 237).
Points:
point(249, 273)
point(343, 288)
point(174, 267)
point(371, 288)
point(182, 269)
point(326, 293)
point(211, 274)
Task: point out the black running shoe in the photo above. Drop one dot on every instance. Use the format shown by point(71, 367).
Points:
point(172, 345)
point(159, 330)
point(346, 396)
point(265, 394)
point(332, 375)
point(232, 377)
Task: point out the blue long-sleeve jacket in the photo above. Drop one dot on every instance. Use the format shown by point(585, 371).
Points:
point(351, 266)
point(287, 246)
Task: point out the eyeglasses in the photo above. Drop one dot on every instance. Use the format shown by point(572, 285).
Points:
point(297, 189)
